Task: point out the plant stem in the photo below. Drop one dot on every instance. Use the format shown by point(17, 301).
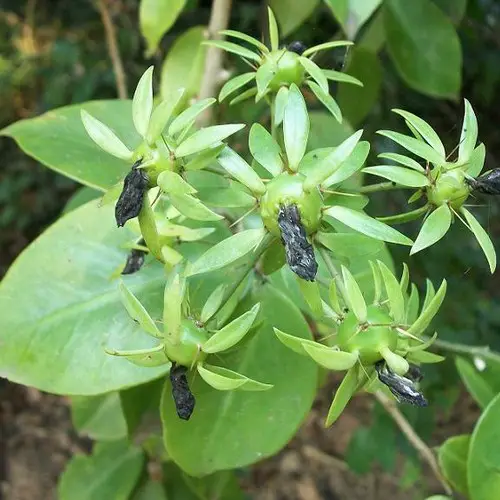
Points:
point(414, 439)
point(381, 186)
point(467, 350)
point(332, 270)
point(114, 53)
point(219, 19)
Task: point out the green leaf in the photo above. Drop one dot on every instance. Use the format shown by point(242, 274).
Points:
point(265, 149)
point(72, 263)
point(399, 175)
point(280, 104)
point(326, 99)
point(110, 472)
point(204, 158)
point(326, 46)
point(232, 197)
point(296, 344)
point(342, 396)
point(213, 303)
point(330, 358)
point(424, 357)
point(205, 138)
point(394, 293)
point(350, 166)
point(403, 160)
point(273, 30)
point(247, 38)
point(142, 103)
point(263, 78)
point(137, 312)
point(433, 229)
point(416, 146)
point(223, 379)
point(310, 291)
point(424, 129)
point(291, 14)
point(188, 116)
point(352, 14)
point(237, 167)
point(316, 73)
point(412, 305)
point(484, 385)
point(484, 455)
point(173, 298)
point(354, 296)
point(184, 233)
point(358, 102)
point(476, 161)
point(295, 127)
point(161, 116)
point(235, 84)
point(350, 245)
point(452, 457)
point(151, 490)
point(104, 137)
point(172, 183)
point(156, 17)
point(339, 76)
point(227, 251)
point(468, 136)
point(411, 26)
point(234, 49)
point(232, 333)
point(99, 417)
point(80, 197)
point(430, 293)
point(184, 65)
point(87, 163)
point(150, 357)
point(193, 208)
point(366, 225)
point(332, 162)
point(244, 96)
point(429, 311)
point(482, 238)
point(240, 428)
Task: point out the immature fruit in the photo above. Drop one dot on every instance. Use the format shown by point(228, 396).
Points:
point(367, 340)
point(287, 68)
point(188, 350)
point(285, 190)
point(160, 160)
point(450, 187)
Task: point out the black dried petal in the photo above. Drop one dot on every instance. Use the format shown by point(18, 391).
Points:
point(297, 46)
point(135, 260)
point(129, 203)
point(488, 183)
point(415, 373)
point(182, 395)
point(403, 388)
point(299, 252)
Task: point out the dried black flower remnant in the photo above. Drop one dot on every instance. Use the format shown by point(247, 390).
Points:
point(183, 397)
point(135, 260)
point(403, 388)
point(299, 252)
point(488, 183)
point(129, 203)
point(297, 46)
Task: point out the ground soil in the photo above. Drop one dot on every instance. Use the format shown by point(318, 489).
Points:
point(37, 439)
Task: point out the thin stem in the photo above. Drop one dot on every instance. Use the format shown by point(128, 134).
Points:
point(467, 350)
point(114, 53)
point(264, 245)
point(274, 129)
point(381, 186)
point(414, 439)
point(332, 270)
point(219, 19)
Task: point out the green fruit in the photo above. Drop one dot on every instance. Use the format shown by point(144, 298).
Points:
point(449, 187)
point(367, 340)
point(288, 189)
point(159, 162)
point(189, 348)
point(286, 67)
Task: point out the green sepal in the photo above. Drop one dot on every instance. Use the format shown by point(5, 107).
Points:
point(154, 356)
point(331, 358)
point(224, 379)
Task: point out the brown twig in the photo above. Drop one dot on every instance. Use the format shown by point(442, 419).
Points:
point(410, 434)
point(114, 53)
point(219, 18)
